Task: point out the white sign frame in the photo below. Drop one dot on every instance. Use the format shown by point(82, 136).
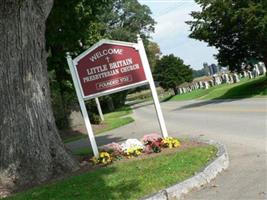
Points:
point(109, 91)
point(149, 80)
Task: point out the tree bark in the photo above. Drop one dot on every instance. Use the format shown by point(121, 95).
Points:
point(31, 150)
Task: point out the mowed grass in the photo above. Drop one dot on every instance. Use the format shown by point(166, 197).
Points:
point(85, 151)
point(126, 180)
point(244, 89)
point(112, 120)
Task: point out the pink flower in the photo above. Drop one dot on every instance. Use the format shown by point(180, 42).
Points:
point(150, 138)
point(148, 149)
point(113, 147)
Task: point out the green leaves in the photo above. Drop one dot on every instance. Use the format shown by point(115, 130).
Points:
point(170, 71)
point(238, 29)
point(75, 25)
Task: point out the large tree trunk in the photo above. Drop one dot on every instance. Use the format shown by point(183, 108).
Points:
point(31, 150)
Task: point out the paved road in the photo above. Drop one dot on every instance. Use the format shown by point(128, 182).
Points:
point(240, 124)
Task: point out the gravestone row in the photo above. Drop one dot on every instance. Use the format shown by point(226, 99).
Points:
point(258, 70)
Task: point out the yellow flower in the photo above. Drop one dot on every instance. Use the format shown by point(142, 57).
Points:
point(171, 142)
point(104, 158)
point(94, 160)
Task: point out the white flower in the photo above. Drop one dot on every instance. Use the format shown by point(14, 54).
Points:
point(131, 143)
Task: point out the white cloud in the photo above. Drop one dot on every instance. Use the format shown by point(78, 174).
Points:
point(172, 24)
point(171, 32)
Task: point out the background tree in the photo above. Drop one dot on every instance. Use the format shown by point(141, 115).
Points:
point(74, 26)
point(236, 28)
point(170, 71)
point(198, 73)
point(153, 53)
point(31, 150)
point(123, 20)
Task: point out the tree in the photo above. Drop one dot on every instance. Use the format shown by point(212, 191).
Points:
point(199, 73)
point(236, 28)
point(153, 53)
point(73, 26)
point(31, 150)
point(170, 71)
point(125, 19)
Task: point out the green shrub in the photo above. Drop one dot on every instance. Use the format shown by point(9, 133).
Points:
point(95, 119)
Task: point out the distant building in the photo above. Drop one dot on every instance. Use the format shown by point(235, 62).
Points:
point(211, 69)
point(206, 69)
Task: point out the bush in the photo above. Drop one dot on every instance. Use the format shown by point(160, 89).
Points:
point(95, 119)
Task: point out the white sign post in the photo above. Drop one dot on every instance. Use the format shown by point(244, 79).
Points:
point(108, 67)
point(152, 86)
point(83, 107)
point(99, 109)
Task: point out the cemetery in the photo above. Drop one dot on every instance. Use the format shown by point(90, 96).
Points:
point(231, 79)
point(245, 88)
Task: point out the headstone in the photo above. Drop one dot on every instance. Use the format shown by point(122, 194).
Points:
point(235, 78)
point(211, 83)
point(206, 85)
point(245, 74)
point(227, 79)
point(250, 76)
point(219, 80)
point(180, 91)
point(189, 89)
point(262, 68)
point(256, 71)
point(231, 80)
point(200, 83)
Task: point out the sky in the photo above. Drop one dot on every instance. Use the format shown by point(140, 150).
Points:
point(171, 31)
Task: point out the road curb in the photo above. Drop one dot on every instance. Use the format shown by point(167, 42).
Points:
point(176, 191)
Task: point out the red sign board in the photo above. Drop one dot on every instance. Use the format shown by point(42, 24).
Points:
point(109, 67)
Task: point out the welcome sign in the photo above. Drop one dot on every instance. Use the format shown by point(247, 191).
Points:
point(108, 67)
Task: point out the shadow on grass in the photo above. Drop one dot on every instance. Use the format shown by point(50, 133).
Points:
point(247, 90)
point(93, 186)
point(100, 140)
point(147, 103)
point(167, 98)
point(250, 89)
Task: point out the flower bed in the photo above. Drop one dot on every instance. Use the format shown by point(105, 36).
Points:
point(151, 143)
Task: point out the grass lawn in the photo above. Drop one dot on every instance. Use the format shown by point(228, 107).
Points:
point(86, 151)
point(113, 120)
point(145, 95)
point(126, 180)
point(244, 89)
